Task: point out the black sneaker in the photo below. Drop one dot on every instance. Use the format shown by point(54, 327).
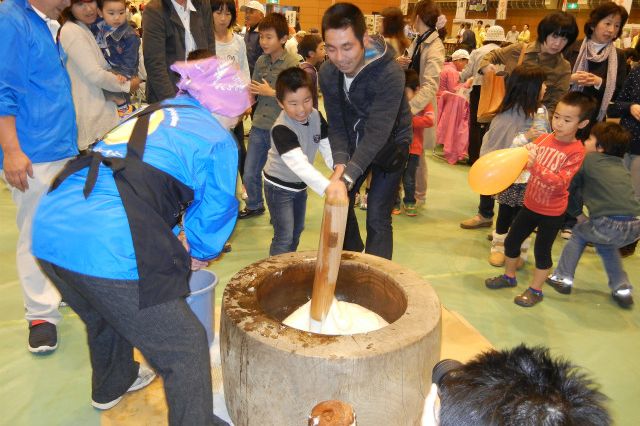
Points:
point(43, 337)
point(247, 213)
point(560, 286)
point(628, 250)
point(623, 297)
point(499, 282)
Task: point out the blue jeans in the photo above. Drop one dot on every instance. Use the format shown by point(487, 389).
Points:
point(382, 196)
point(287, 210)
point(608, 235)
point(169, 336)
point(409, 179)
point(259, 144)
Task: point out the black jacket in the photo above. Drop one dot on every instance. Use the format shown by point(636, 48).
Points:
point(163, 43)
point(376, 112)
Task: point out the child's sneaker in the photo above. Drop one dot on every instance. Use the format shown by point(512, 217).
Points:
point(411, 210)
point(124, 110)
point(562, 286)
point(363, 202)
point(628, 250)
point(396, 210)
point(529, 298)
point(501, 281)
point(623, 297)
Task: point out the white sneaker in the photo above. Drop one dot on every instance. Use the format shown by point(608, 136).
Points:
point(566, 233)
point(145, 377)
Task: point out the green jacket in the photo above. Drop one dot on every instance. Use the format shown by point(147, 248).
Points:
point(603, 184)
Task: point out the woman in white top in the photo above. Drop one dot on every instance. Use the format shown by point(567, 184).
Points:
point(90, 74)
point(231, 46)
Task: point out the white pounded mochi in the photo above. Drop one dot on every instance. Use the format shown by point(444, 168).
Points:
point(343, 318)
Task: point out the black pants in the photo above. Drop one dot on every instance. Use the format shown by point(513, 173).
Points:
point(523, 225)
point(169, 336)
point(506, 216)
point(476, 130)
point(485, 208)
point(380, 199)
point(238, 133)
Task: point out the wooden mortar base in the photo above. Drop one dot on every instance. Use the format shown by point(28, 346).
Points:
point(274, 374)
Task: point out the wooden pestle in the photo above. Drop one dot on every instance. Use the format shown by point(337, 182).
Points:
point(334, 222)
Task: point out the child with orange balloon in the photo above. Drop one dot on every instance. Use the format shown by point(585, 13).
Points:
point(515, 117)
point(523, 100)
point(553, 161)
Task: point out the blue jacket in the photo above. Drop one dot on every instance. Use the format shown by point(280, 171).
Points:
point(91, 236)
point(34, 85)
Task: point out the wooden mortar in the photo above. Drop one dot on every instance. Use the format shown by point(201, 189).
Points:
point(274, 374)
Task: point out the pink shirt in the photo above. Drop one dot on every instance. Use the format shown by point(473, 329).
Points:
point(449, 78)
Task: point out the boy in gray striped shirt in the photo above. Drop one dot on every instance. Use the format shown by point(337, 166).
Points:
point(297, 135)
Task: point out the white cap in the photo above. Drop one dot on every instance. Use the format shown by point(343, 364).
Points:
point(253, 4)
point(495, 33)
point(460, 54)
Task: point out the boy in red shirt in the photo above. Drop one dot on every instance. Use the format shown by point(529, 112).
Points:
point(553, 161)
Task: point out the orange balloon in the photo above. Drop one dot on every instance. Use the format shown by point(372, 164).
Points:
point(494, 172)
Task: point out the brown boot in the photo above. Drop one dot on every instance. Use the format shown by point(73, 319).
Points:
point(478, 221)
point(496, 257)
point(524, 253)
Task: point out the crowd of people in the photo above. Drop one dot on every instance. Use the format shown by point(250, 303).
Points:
point(120, 255)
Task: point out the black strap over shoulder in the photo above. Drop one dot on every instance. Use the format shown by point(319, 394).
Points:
point(154, 202)
point(135, 148)
point(415, 57)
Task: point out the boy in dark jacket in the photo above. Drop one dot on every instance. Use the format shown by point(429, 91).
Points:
point(604, 185)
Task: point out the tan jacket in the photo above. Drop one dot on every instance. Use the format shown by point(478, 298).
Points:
point(431, 61)
point(557, 68)
point(90, 75)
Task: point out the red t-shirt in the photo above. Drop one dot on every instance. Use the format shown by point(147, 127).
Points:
point(556, 164)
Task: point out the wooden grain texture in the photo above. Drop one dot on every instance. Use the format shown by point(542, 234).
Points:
point(334, 222)
point(274, 374)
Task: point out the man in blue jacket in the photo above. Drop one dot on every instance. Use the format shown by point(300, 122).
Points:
point(38, 136)
point(369, 121)
point(121, 229)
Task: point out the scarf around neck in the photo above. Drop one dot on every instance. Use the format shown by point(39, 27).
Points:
point(415, 57)
point(588, 53)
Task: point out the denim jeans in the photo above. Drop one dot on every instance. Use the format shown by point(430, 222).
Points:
point(607, 234)
point(287, 210)
point(169, 336)
point(409, 179)
point(382, 195)
point(259, 144)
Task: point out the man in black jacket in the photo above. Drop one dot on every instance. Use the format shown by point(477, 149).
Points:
point(369, 121)
point(165, 41)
